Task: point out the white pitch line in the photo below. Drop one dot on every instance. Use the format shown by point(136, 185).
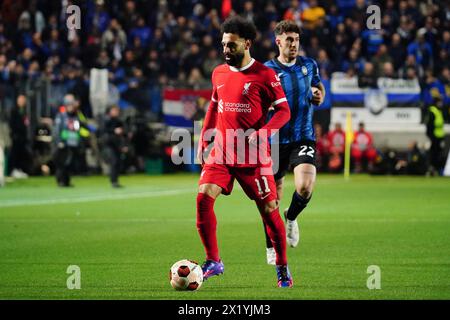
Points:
point(102, 197)
point(96, 220)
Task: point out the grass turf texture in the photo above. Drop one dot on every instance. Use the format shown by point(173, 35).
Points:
point(125, 240)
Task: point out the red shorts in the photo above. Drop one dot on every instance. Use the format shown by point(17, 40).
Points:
point(258, 182)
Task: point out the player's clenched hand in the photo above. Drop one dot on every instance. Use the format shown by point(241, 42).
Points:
point(317, 98)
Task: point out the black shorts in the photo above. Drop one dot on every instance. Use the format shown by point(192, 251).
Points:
point(293, 154)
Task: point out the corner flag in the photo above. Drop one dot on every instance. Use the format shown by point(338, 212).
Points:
point(348, 143)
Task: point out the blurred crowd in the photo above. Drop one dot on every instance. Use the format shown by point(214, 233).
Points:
point(148, 45)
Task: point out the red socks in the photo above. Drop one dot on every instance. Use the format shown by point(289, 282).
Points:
point(277, 232)
point(206, 225)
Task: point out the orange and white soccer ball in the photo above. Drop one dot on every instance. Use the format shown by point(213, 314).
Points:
point(186, 275)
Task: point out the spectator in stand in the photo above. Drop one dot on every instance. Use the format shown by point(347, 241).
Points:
point(312, 15)
point(136, 91)
point(129, 16)
point(354, 61)
point(338, 52)
point(358, 12)
point(314, 47)
point(138, 49)
point(158, 41)
point(405, 29)
point(55, 45)
point(153, 66)
point(388, 71)
point(114, 39)
point(445, 43)
point(397, 51)
point(333, 17)
point(391, 11)
point(421, 50)
point(248, 11)
point(98, 18)
point(387, 26)
point(193, 59)
point(443, 61)
point(103, 60)
point(362, 150)
point(430, 84)
point(196, 80)
point(350, 73)
point(429, 32)
point(368, 78)
point(294, 12)
point(33, 18)
point(382, 56)
point(410, 63)
point(142, 31)
point(128, 63)
point(372, 39)
point(323, 62)
point(210, 63)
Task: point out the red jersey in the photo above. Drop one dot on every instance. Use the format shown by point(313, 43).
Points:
point(362, 141)
point(240, 101)
point(337, 140)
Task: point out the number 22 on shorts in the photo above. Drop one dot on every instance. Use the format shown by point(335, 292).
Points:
point(303, 151)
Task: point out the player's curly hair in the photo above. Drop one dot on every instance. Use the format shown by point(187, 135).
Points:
point(286, 26)
point(238, 25)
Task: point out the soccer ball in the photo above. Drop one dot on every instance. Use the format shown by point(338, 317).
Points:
point(186, 275)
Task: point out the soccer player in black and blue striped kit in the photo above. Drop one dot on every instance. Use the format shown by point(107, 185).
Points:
point(300, 79)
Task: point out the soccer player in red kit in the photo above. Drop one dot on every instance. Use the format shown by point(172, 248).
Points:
point(243, 92)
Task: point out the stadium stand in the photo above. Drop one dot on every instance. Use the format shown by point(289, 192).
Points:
point(131, 53)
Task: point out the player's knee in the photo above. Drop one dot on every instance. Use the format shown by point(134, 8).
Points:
point(212, 191)
point(305, 189)
point(271, 206)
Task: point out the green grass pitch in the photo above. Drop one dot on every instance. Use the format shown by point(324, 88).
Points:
point(125, 241)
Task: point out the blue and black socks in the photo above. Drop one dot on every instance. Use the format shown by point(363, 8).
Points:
point(298, 203)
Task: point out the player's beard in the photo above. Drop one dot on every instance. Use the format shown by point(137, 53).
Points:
point(235, 60)
point(291, 55)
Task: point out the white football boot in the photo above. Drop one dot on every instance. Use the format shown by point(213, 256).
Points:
point(292, 232)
